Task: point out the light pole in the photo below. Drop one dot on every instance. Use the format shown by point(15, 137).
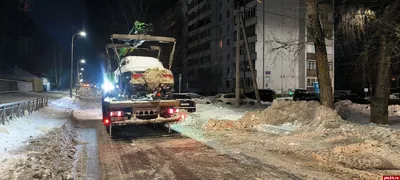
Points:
point(83, 34)
point(82, 61)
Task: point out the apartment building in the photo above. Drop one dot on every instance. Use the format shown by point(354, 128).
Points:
point(280, 47)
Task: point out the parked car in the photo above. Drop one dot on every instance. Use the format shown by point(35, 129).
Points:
point(185, 102)
point(199, 99)
point(298, 93)
point(307, 97)
point(353, 98)
point(230, 98)
point(215, 98)
point(266, 95)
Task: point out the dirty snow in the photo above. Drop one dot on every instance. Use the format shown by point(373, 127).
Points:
point(308, 131)
point(19, 131)
point(49, 156)
point(91, 114)
point(88, 92)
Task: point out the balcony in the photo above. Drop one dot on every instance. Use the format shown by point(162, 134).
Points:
point(193, 43)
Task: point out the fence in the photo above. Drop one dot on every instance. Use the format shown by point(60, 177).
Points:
point(8, 111)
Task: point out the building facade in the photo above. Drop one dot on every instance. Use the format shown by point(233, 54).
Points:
point(279, 43)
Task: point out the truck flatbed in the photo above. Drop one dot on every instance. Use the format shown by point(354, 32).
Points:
point(115, 104)
point(174, 118)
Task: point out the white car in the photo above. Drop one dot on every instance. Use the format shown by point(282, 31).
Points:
point(230, 99)
point(199, 99)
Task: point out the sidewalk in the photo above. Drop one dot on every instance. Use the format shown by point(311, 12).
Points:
point(13, 97)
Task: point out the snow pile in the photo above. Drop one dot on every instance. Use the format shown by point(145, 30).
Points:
point(308, 130)
point(88, 92)
point(155, 76)
point(62, 104)
point(285, 128)
point(280, 112)
point(206, 112)
point(347, 106)
point(46, 157)
point(14, 133)
point(91, 114)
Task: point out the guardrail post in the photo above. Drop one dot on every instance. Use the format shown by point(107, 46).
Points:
point(4, 115)
point(11, 111)
point(29, 105)
point(37, 107)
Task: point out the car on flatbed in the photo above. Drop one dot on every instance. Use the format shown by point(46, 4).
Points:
point(139, 90)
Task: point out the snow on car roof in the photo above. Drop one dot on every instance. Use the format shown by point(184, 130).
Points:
point(139, 63)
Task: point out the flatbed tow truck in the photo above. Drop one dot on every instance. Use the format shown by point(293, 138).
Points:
point(128, 98)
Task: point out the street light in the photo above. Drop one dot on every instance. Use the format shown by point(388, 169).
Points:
point(81, 80)
point(82, 69)
point(80, 73)
point(82, 61)
point(83, 34)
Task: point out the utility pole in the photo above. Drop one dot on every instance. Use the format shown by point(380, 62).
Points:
point(237, 73)
point(253, 73)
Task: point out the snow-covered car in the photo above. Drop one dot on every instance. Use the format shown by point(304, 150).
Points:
point(199, 99)
point(215, 98)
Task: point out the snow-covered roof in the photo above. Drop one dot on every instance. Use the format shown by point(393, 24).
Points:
point(17, 73)
point(138, 63)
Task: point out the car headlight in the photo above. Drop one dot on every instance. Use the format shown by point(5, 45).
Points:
point(108, 86)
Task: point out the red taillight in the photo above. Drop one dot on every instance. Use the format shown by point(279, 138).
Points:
point(137, 76)
point(116, 113)
point(106, 121)
point(183, 116)
point(168, 76)
point(170, 111)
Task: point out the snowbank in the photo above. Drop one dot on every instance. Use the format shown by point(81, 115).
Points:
point(308, 130)
point(278, 113)
point(91, 114)
point(205, 112)
point(87, 92)
point(47, 157)
point(19, 131)
point(62, 104)
point(351, 108)
point(13, 134)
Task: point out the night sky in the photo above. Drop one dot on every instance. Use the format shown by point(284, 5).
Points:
point(62, 18)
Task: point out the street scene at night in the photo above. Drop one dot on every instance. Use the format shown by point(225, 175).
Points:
point(200, 89)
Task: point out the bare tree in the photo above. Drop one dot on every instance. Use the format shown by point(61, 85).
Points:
point(55, 65)
point(377, 26)
point(127, 12)
point(324, 79)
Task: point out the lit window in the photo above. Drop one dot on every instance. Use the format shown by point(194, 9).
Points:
point(220, 44)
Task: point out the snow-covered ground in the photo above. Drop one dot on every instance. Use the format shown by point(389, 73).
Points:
point(19, 131)
point(305, 130)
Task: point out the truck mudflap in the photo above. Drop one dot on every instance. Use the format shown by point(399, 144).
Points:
point(174, 118)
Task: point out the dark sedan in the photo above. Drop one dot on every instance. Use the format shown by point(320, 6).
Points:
point(186, 102)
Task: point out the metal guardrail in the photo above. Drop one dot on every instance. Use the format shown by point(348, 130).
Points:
point(8, 111)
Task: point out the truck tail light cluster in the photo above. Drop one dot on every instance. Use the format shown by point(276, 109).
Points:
point(116, 113)
point(172, 111)
point(137, 76)
point(168, 76)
